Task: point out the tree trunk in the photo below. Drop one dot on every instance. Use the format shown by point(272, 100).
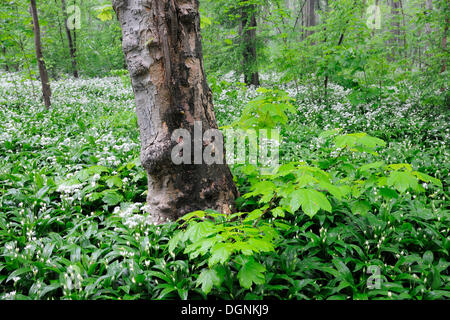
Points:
point(248, 35)
point(395, 30)
point(162, 45)
point(405, 42)
point(72, 48)
point(46, 92)
point(60, 29)
point(310, 16)
point(428, 10)
point(6, 59)
point(444, 45)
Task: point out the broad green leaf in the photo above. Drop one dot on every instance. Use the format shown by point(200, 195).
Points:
point(426, 178)
point(199, 230)
point(220, 254)
point(361, 207)
point(195, 214)
point(207, 279)
point(111, 198)
point(428, 257)
point(261, 245)
point(402, 181)
point(175, 240)
point(374, 165)
point(255, 214)
point(251, 272)
point(310, 200)
point(337, 192)
point(17, 273)
point(114, 181)
point(388, 193)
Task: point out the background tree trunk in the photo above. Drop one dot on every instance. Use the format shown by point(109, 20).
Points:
point(428, 10)
point(6, 59)
point(395, 28)
point(444, 45)
point(46, 92)
point(72, 48)
point(248, 36)
point(310, 16)
point(162, 45)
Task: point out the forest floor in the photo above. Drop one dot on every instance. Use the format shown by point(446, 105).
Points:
point(73, 223)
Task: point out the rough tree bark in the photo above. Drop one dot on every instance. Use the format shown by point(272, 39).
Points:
point(248, 34)
point(72, 48)
point(46, 92)
point(162, 45)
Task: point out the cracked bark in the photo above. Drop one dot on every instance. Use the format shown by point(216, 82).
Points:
point(162, 46)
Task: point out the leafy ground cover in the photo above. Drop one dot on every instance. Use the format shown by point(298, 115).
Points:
point(359, 209)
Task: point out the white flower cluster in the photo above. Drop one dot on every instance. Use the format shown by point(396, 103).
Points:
point(73, 280)
point(132, 215)
point(69, 189)
point(9, 296)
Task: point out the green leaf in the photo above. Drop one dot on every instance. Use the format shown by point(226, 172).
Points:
point(399, 166)
point(426, 178)
point(337, 192)
point(402, 181)
point(251, 272)
point(358, 142)
point(207, 279)
point(388, 193)
point(278, 212)
point(361, 207)
point(49, 288)
point(175, 240)
point(199, 230)
point(265, 188)
point(428, 257)
point(261, 245)
point(111, 198)
point(305, 180)
point(105, 13)
point(366, 168)
point(310, 200)
point(17, 273)
point(371, 142)
point(114, 181)
point(195, 214)
point(95, 170)
point(255, 214)
point(220, 253)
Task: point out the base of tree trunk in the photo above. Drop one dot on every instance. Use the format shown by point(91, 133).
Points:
point(192, 188)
